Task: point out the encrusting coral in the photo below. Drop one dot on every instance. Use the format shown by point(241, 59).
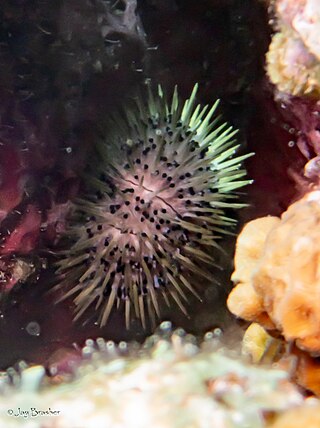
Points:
point(293, 69)
point(279, 287)
point(284, 279)
point(244, 301)
point(293, 59)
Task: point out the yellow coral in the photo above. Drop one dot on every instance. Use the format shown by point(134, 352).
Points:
point(259, 345)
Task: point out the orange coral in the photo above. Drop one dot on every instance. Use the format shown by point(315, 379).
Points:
point(279, 282)
point(243, 300)
point(305, 416)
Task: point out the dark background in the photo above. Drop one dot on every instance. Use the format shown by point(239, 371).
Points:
point(65, 65)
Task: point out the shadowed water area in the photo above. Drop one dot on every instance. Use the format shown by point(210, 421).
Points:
point(66, 66)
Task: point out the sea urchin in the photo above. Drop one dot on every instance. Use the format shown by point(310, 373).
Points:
point(148, 230)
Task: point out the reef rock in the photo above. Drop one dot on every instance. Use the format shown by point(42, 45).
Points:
point(293, 58)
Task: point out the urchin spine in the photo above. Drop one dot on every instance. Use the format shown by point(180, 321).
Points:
point(156, 210)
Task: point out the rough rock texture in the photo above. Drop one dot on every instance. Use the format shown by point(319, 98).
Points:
point(293, 66)
point(293, 58)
